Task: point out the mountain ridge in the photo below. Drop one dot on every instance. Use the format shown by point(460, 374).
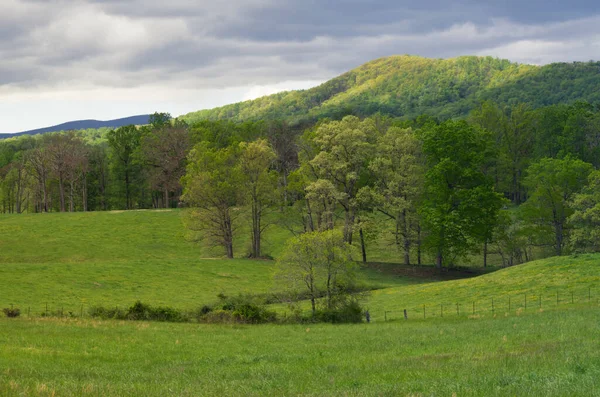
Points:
point(84, 124)
point(409, 86)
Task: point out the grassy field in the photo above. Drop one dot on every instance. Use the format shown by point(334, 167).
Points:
point(538, 354)
point(115, 258)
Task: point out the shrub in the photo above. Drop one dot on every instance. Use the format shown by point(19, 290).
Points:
point(345, 311)
point(10, 312)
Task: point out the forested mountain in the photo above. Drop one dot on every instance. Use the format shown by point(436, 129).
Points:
point(410, 86)
point(85, 124)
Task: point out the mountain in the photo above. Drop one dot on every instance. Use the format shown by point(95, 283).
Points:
point(85, 124)
point(409, 86)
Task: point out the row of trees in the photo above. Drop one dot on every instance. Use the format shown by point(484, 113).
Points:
point(510, 181)
point(442, 188)
point(130, 167)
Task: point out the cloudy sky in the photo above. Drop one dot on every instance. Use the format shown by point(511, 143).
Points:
point(63, 60)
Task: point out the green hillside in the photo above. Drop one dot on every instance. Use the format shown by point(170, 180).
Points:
point(410, 86)
point(575, 279)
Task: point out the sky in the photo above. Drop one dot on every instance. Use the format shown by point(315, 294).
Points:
point(64, 60)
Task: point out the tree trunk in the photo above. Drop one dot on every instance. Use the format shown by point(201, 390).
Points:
point(406, 235)
point(558, 227)
point(71, 199)
point(348, 224)
point(166, 198)
point(84, 192)
point(61, 190)
point(419, 244)
point(127, 194)
point(485, 253)
point(362, 245)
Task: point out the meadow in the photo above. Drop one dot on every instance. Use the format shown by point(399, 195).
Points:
point(554, 353)
point(114, 258)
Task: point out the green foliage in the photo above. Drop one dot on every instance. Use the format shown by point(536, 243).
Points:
point(459, 202)
point(584, 222)
point(317, 263)
point(552, 183)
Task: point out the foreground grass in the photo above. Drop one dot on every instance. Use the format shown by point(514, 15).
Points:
point(541, 354)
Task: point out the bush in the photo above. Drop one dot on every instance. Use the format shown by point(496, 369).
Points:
point(345, 311)
point(10, 312)
point(139, 312)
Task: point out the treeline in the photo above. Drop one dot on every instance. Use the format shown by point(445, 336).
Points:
point(132, 167)
point(513, 181)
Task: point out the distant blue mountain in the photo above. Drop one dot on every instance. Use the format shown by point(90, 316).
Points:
point(85, 124)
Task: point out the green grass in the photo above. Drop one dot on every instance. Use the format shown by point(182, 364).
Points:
point(115, 258)
point(574, 278)
point(541, 354)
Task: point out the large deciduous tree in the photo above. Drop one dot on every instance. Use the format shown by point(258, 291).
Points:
point(259, 185)
point(455, 187)
point(552, 183)
point(345, 148)
point(124, 142)
point(164, 150)
point(398, 185)
point(211, 188)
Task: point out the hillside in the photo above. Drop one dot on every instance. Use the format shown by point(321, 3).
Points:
point(410, 86)
point(83, 125)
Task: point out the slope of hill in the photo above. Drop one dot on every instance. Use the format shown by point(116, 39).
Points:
point(543, 284)
point(410, 86)
point(84, 124)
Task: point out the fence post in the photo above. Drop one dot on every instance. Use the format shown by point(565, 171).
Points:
point(572, 297)
point(385, 315)
point(457, 311)
point(405, 315)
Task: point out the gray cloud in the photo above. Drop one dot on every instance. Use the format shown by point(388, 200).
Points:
point(83, 46)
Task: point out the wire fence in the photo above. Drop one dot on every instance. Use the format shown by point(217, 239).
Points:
point(499, 304)
point(481, 305)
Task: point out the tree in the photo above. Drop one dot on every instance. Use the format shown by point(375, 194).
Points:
point(455, 185)
point(164, 149)
point(585, 219)
point(398, 184)
point(259, 184)
point(345, 149)
point(124, 142)
point(211, 188)
point(513, 134)
point(38, 164)
point(318, 263)
point(552, 183)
